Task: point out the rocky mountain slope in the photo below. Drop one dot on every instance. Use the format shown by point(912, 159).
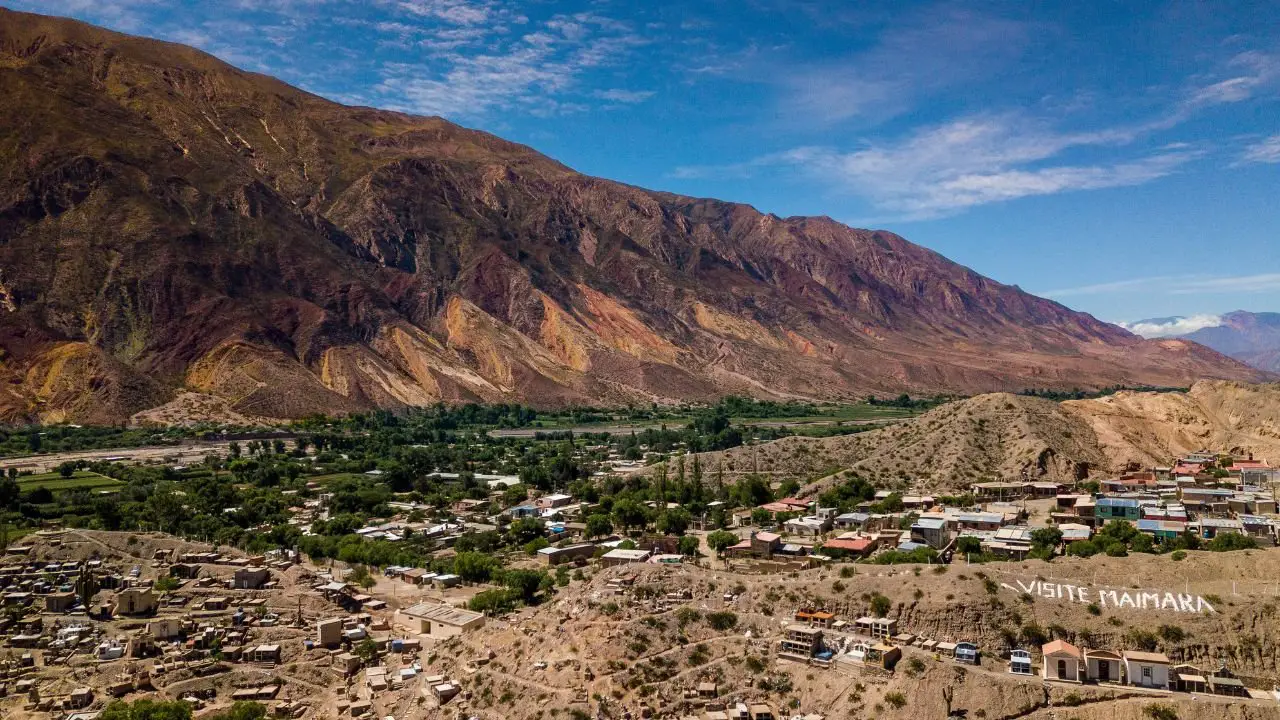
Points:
point(1150, 428)
point(1252, 338)
point(169, 223)
point(1003, 436)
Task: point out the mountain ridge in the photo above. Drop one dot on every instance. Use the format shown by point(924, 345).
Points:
point(1253, 338)
point(173, 224)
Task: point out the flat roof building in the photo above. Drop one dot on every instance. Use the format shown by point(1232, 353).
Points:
point(438, 621)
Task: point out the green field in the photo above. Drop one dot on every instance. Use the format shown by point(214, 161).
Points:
point(333, 477)
point(79, 480)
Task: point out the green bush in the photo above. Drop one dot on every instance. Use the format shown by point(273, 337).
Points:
point(722, 621)
point(880, 605)
point(1228, 541)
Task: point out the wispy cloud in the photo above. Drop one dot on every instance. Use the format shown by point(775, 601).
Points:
point(919, 55)
point(1172, 326)
point(1249, 72)
point(1107, 288)
point(536, 71)
point(944, 169)
point(624, 96)
point(1177, 285)
point(124, 15)
point(1264, 151)
point(459, 12)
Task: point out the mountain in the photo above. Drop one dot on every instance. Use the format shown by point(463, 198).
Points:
point(1252, 338)
point(170, 226)
point(1004, 436)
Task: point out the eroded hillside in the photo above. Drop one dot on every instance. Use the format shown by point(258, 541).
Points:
point(169, 223)
point(1003, 436)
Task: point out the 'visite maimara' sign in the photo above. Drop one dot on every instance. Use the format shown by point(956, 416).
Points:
point(1131, 599)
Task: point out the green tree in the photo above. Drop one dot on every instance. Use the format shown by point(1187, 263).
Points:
point(145, 709)
point(673, 522)
point(241, 710)
point(359, 575)
point(599, 525)
point(367, 651)
point(1049, 537)
point(166, 584)
point(493, 602)
point(526, 583)
point(721, 539)
point(688, 546)
point(968, 544)
point(10, 491)
point(630, 514)
point(475, 566)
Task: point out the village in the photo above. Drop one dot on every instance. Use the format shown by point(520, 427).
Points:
point(92, 616)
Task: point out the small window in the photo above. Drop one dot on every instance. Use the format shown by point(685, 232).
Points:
point(1146, 672)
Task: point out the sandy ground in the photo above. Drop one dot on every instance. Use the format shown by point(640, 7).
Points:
point(169, 454)
point(598, 646)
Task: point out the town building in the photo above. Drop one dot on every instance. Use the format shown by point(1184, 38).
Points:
point(1103, 666)
point(620, 556)
point(552, 556)
point(134, 601)
point(931, 531)
point(802, 641)
point(1146, 669)
point(438, 621)
point(329, 632)
point(1062, 662)
point(1020, 662)
point(250, 578)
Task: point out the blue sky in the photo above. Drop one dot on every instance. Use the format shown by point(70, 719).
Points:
point(1121, 157)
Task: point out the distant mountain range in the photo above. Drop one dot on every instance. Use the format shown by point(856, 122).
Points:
point(172, 227)
point(1252, 338)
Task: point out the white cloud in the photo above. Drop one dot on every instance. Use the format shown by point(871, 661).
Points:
point(944, 169)
point(1260, 283)
point(625, 96)
point(1264, 151)
point(1256, 71)
point(1106, 288)
point(459, 12)
point(1168, 327)
point(1177, 285)
point(537, 72)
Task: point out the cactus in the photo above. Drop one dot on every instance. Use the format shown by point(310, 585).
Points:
point(86, 587)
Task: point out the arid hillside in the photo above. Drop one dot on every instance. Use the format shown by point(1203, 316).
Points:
point(676, 627)
point(169, 223)
point(1149, 428)
point(1003, 436)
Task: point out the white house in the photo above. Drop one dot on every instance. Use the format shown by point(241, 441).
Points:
point(1103, 665)
point(1146, 669)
